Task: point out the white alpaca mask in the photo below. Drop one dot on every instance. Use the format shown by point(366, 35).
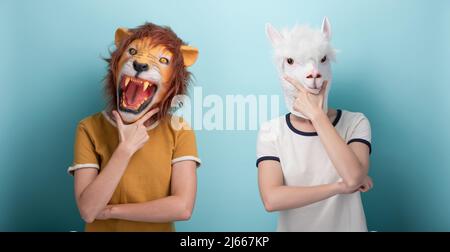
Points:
point(305, 55)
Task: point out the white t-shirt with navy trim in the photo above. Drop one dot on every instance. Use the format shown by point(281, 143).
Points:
point(305, 162)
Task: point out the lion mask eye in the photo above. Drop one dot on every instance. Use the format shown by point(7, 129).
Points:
point(324, 59)
point(132, 51)
point(164, 61)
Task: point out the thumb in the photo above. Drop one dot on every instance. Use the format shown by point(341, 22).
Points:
point(148, 115)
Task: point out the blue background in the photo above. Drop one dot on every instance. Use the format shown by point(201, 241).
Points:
point(393, 66)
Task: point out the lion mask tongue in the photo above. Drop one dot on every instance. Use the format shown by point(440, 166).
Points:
point(134, 95)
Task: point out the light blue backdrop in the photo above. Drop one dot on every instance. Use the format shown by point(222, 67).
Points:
point(393, 66)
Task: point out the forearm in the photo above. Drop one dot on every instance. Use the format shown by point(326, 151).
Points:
point(96, 195)
point(169, 209)
point(343, 158)
point(287, 197)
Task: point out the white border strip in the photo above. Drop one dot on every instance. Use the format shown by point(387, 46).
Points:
point(187, 158)
point(72, 169)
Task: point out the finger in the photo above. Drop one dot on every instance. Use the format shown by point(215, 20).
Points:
point(148, 115)
point(363, 188)
point(369, 186)
point(118, 119)
point(299, 96)
point(370, 183)
point(144, 140)
point(324, 88)
point(294, 83)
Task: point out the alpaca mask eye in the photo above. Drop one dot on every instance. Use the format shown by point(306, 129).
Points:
point(324, 59)
point(164, 61)
point(132, 51)
point(290, 61)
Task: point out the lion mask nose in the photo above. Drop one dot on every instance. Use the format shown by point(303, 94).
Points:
point(139, 67)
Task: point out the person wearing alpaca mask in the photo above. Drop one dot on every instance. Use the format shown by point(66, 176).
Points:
point(134, 163)
point(312, 163)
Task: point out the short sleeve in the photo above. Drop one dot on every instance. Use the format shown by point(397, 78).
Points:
point(266, 146)
point(84, 151)
point(185, 146)
point(361, 132)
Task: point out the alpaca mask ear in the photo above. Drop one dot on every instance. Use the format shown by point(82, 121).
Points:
point(190, 55)
point(274, 36)
point(121, 35)
point(326, 28)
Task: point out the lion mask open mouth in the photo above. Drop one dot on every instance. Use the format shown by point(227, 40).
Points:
point(135, 94)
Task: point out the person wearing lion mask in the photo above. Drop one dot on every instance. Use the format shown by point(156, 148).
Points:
point(134, 170)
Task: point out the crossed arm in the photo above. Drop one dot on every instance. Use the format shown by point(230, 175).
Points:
point(94, 190)
point(277, 196)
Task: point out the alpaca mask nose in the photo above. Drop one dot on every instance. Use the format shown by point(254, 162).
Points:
point(314, 75)
point(139, 67)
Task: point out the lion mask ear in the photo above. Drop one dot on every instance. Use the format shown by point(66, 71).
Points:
point(190, 55)
point(121, 35)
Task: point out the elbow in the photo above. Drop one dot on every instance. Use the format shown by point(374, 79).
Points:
point(356, 179)
point(351, 185)
point(185, 215)
point(355, 182)
point(268, 203)
point(185, 210)
point(269, 207)
point(87, 215)
point(89, 220)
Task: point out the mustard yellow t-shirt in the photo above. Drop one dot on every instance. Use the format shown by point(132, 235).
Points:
point(149, 171)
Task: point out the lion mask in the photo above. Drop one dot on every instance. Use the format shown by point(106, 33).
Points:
point(147, 69)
